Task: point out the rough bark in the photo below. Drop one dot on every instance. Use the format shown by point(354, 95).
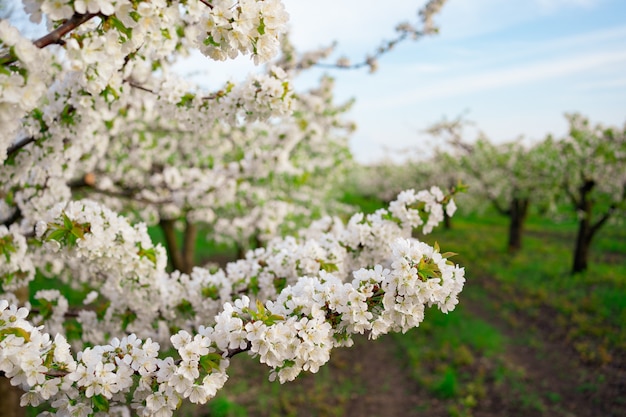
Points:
point(585, 228)
point(10, 398)
point(583, 242)
point(447, 221)
point(517, 212)
point(171, 244)
point(182, 259)
point(189, 247)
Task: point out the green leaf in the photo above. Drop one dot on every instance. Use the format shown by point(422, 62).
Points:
point(128, 318)
point(186, 100)
point(100, 403)
point(210, 362)
point(7, 247)
point(211, 292)
point(261, 28)
point(78, 232)
point(71, 239)
point(185, 308)
point(210, 41)
point(147, 253)
point(16, 331)
point(260, 308)
point(273, 319)
point(328, 266)
point(67, 222)
point(58, 235)
point(117, 24)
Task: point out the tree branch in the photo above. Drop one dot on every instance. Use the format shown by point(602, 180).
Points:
point(233, 352)
point(88, 182)
point(149, 90)
point(17, 214)
point(171, 244)
point(598, 224)
point(19, 145)
point(55, 36)
point(189, 246)
point(405, 30)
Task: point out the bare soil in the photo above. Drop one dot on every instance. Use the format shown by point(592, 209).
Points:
point(537, 348)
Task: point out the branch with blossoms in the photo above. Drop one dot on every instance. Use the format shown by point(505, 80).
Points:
point(305, 313)
point(53, 37)
point(147, 338)
point(404, 31)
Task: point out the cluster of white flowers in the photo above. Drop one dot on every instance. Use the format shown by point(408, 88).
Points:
point(95, 123)
point(425, 202)
point(16, 266)
point(21, 85)
point(249, 27)
point(90, 244)
point(308, 298)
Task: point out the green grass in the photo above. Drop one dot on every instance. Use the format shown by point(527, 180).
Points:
point(249, 393)
point(364, 203)
point(589, 307)
point(205, 250)
point(461, 360)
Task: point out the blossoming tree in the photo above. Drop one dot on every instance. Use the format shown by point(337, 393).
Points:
point(508, 175)
point(100, 137)
point(589, 165)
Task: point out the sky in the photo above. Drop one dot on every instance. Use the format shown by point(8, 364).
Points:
point(513, 67)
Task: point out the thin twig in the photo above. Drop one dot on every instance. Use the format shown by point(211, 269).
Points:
point(19, 145)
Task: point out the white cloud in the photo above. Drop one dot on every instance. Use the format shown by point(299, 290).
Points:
point(492, 79)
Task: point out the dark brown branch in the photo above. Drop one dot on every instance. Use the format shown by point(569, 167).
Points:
point(55, 36)
point(584, 191)
point(425, 14)
point(88, 182)
point(171, 244)
point(148, 90)
point(14, 217)
point(68, 313)
point(207, 4)
point(189, 246)
point(598, 224)
point(233, 352)
point(57, 373)
point(67, 26)
point(19, 145)
point(370, 60)
point(142, 88)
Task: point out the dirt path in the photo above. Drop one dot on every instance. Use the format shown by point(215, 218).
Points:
point(550, 370)
point(389, 389)
point(538, 347)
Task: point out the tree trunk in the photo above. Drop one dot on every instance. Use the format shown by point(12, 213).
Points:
point(583, 242)
point(517, 213)
point(189, 247)
point(447, 221)
point(10, 398)
point(585, 228)
point(171, 244)
point(182, 259)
